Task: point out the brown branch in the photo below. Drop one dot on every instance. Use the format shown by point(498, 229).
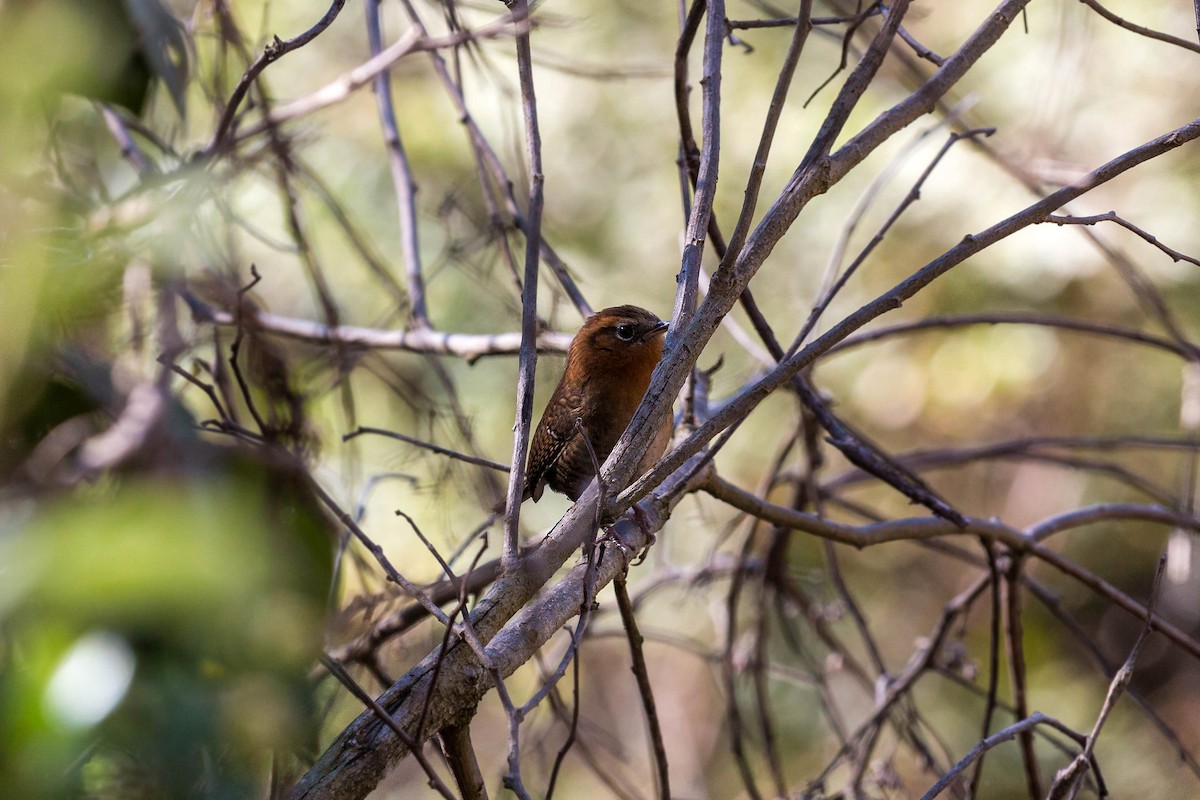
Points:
point(707, 169)
point(645, 690)
point(919, 528)
point(513, 628)
point(467, 346)
point(340, 89)
point(272, 53)
point(1015, 640)
point(1019, 728)
point(460, 755)
point(1143, 31)
point(528, 355)
point(402, 176)
point(1010, 318)
point(1112, 216)
point(344, 678)
point(1067, 781)
point(487, 162)
point(728, 285)
point(1015, 450)
point(705, 322)
point(479, 462)
point(791, 22)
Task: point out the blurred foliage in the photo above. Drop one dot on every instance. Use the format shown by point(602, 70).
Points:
point(158, 620)
point(107, 50)
point(211, 591)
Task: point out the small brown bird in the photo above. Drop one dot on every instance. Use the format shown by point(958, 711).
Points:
point(608, 370)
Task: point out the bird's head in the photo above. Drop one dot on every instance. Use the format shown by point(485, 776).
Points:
point(621, 336)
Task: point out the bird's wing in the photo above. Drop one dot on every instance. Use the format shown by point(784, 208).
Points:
point(553, 434)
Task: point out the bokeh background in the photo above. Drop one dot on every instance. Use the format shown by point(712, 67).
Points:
point(162, 606)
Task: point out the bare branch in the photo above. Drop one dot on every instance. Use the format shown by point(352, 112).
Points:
point(402, 177)
point(1111, 216)
point(1143, 31)
point(467, 346)
point(1018, 728)
point(528, 358)
point(340, 89)
point(645, 690)
point(1068, 780)
point(273, 52)
point(970, 245)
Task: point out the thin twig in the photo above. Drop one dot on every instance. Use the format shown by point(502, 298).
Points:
point(917, 528)
point(791, 22)
point(645, 690)
point(894, 298)
point(1019, 728)
point(528, 356)
point(339, 672)
point(1015, 640)
point(995, 618)
point(707, 169)
point(914, 194)
point(1068, 780)
point(1143, 31)
point(491, 171)
point(479, 462)
point(272, 53)
point(341, 88)
point(402, 176)
point(1112, 216)
point(766, 138)
point(1055, 321)
point(119, 128)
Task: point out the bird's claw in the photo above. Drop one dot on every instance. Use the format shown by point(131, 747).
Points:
point(610, 536)
point(642, 520)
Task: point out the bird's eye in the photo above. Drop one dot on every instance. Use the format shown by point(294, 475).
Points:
point(625, 332)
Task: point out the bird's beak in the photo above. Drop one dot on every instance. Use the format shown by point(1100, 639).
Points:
point(658, 328)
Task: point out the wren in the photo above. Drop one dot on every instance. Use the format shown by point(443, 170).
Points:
point(608, 370)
